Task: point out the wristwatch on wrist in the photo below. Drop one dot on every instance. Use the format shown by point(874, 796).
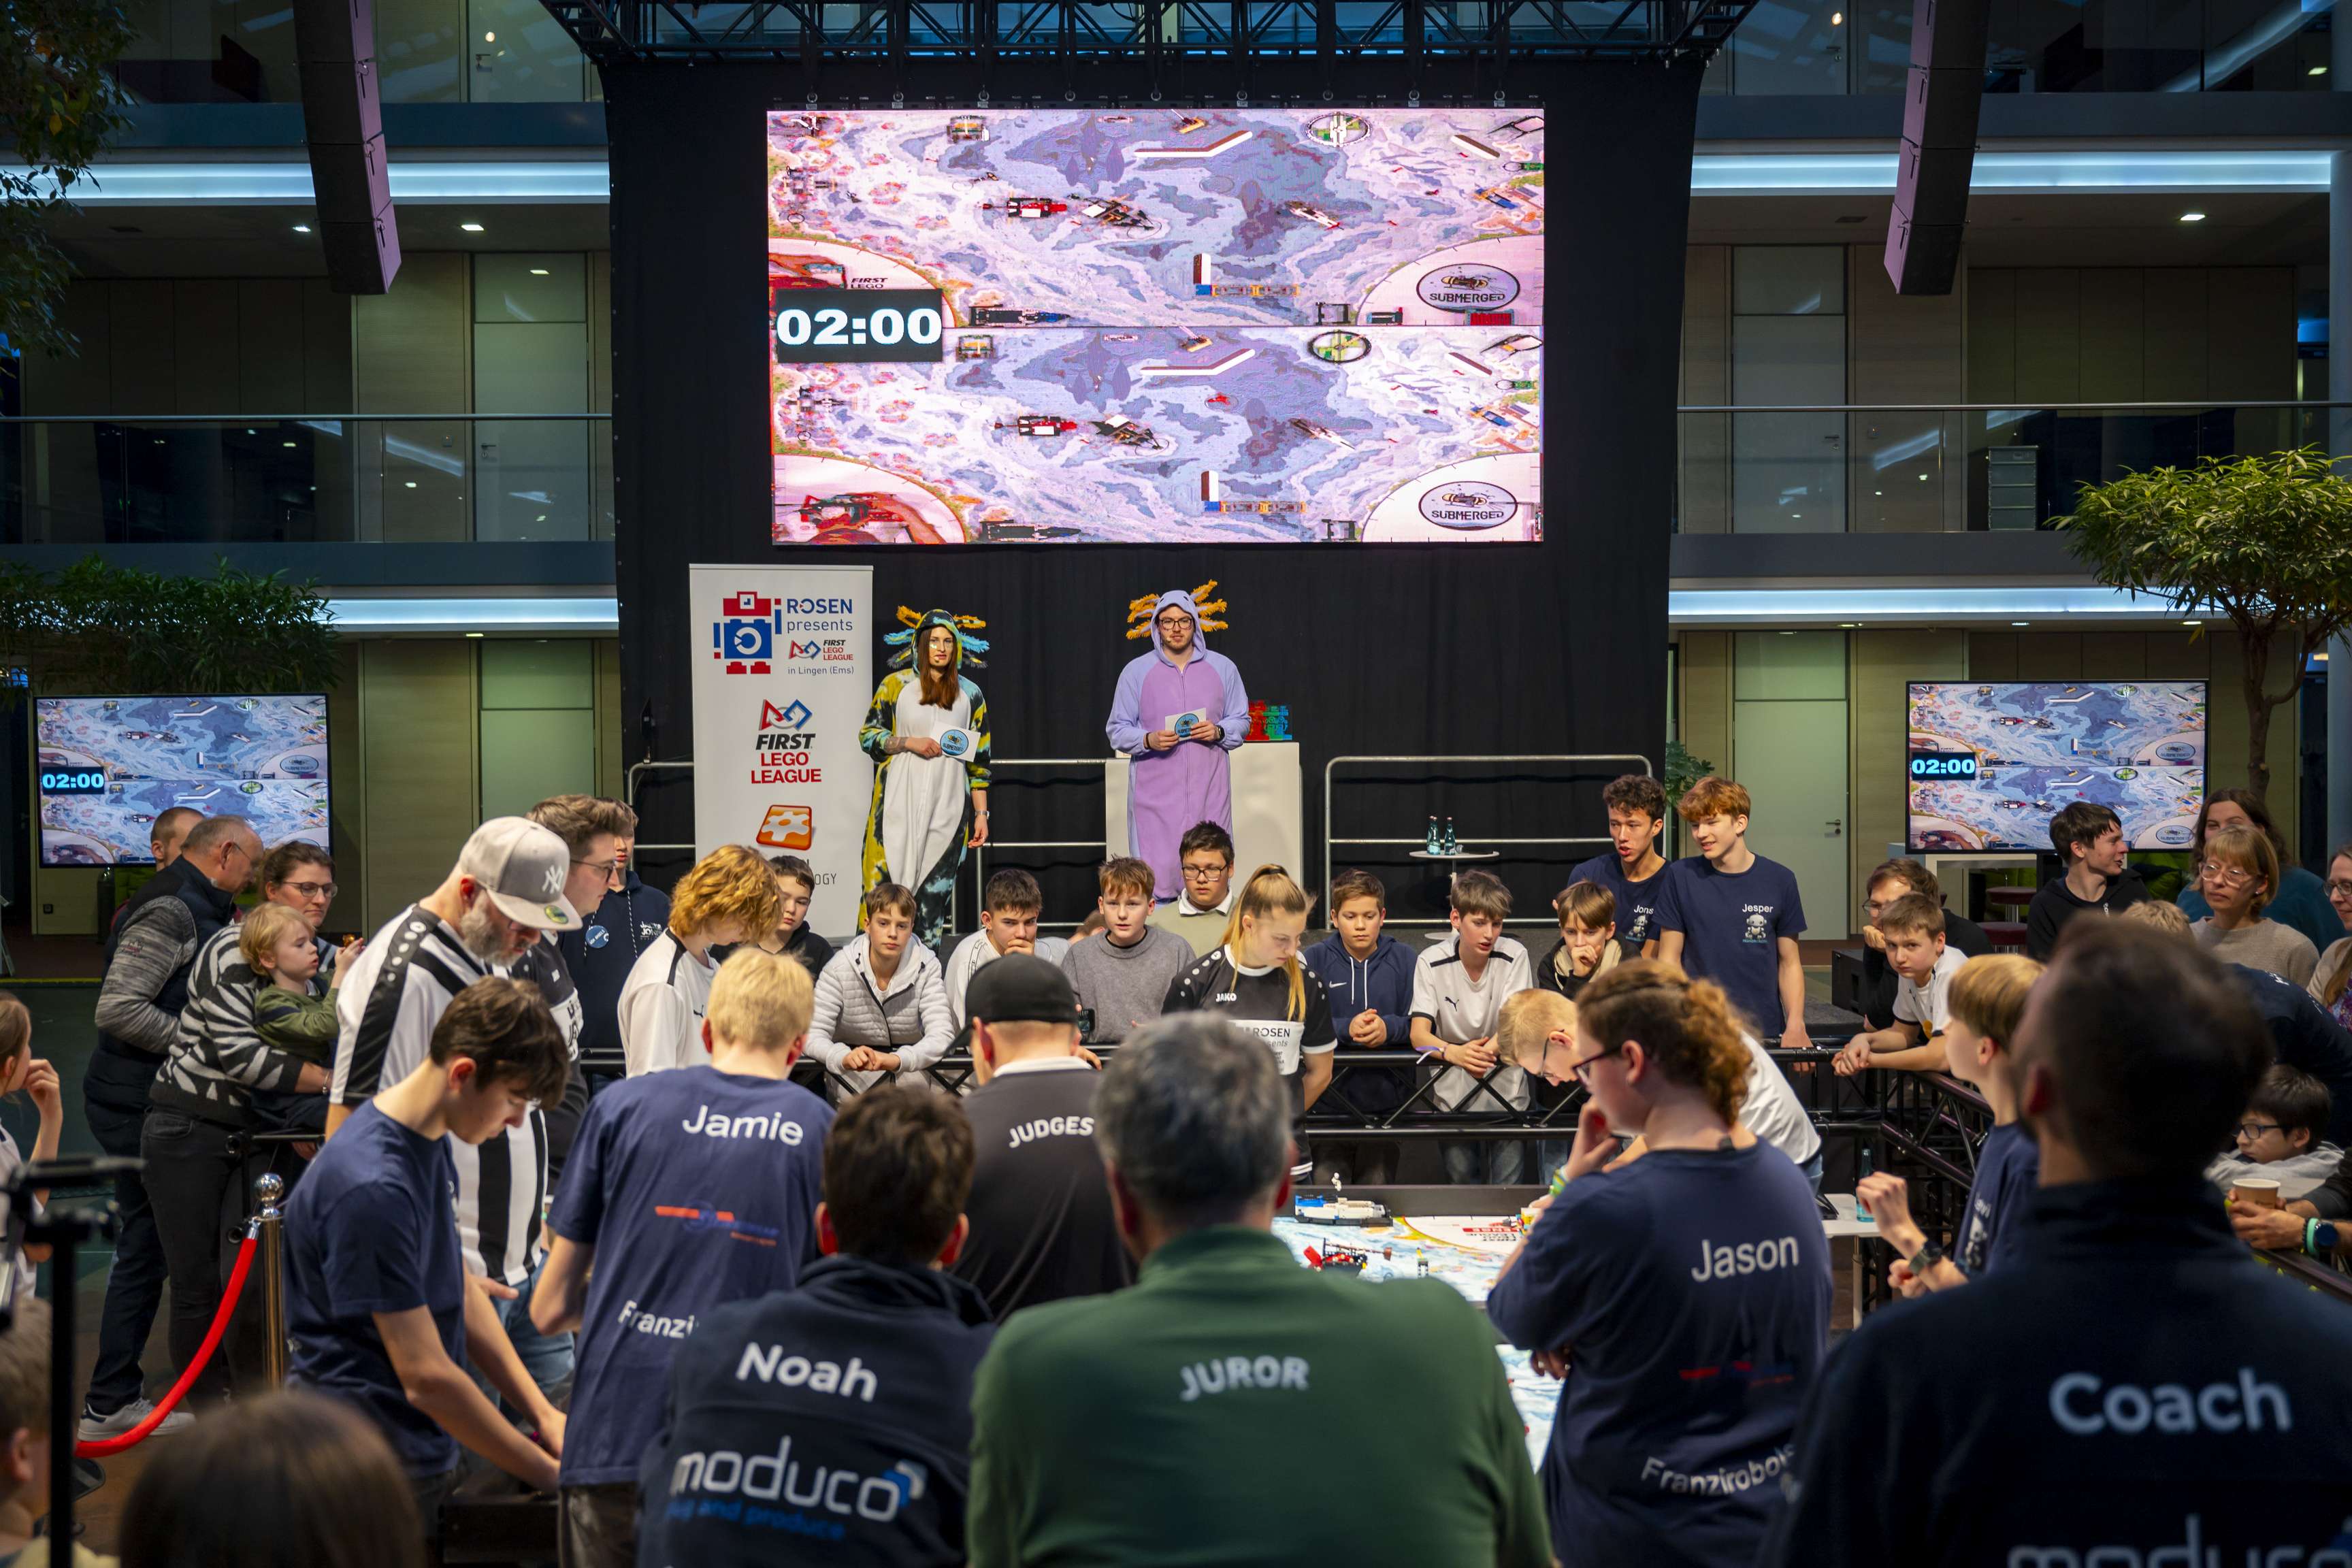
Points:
point(2319, 1237)
point(1927, 1258)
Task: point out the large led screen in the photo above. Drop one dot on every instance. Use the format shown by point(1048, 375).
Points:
point(110, 765)
point(1991, 762)
point(1230, 325)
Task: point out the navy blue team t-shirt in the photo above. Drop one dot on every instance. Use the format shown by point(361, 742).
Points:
point(1731, 926)
point(1637, 902)
point(1691, 1291)
point(373, 1228)
point(2009, 1168)
point(696, 1187)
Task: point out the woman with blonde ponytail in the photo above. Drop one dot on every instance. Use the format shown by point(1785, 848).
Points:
point(1684, 1297)
point(1255, 981)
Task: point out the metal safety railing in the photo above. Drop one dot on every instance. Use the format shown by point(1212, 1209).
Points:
point(1099, 843)
point(1331, 769)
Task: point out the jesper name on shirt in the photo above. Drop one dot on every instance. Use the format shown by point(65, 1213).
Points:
point(1721, 1260)
point(771, 1126)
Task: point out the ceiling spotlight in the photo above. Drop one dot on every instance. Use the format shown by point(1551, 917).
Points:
point(1837, 18)
point(2020, 623)
point(2192, 217)
point(473, 634)
point(471, 228)
point(301, 228)
point(2192, 622)
point(288, 445)
point(410, 483)
point(539, 273)
point(489, 38)
point(2318, 71)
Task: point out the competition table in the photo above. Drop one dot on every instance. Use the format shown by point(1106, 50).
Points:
point(1461, 1235)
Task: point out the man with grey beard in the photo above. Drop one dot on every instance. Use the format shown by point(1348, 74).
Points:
point(508, 888)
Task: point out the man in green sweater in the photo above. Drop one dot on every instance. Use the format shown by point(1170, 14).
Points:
point(1219, 1409)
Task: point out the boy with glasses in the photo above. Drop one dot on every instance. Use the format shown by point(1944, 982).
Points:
point(2283, 1137)
point(1198, 914)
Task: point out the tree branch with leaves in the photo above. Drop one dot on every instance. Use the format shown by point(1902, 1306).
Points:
point(59, 106)
point(2266, 540)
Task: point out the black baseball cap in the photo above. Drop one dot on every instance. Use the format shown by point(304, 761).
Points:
point(1021, 989)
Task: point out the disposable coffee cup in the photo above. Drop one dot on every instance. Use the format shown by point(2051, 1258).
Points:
point(2260, 1191)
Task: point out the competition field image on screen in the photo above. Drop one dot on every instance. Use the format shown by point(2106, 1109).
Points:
point(1229, 325)
point(1990, 765)
point(110, 765)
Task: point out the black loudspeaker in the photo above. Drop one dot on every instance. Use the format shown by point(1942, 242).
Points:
point(1944, 90)
point(342, 119)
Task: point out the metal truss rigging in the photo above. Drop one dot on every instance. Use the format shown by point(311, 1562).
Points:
point(1027, 51)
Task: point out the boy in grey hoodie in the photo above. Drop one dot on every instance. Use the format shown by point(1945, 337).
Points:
point(1122, 975)
point(2281, 1136)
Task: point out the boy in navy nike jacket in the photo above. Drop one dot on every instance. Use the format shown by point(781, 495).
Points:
point(1369, 975)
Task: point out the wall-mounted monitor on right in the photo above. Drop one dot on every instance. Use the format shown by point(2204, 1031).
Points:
point(1988, 764)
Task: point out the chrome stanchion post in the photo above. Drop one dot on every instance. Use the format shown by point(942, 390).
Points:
point(270, 1226)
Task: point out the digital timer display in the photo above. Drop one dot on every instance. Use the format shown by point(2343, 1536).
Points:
point(853, 324)
point(1943, 764)
point(73, 781)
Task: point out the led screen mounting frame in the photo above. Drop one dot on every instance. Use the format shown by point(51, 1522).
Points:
point(1155, 326)
point(108, 766)
point(1988, 764)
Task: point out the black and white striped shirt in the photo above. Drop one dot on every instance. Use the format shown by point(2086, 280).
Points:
point(395, 992)
point(218, 1060)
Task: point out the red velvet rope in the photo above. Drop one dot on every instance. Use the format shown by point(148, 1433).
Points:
point(170, 1401)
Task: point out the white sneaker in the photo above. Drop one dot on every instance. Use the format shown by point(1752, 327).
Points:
point(95, 1429)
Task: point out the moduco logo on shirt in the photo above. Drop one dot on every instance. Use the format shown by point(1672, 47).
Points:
point(779, 1477)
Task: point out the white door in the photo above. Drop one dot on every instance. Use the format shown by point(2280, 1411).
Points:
point(1789, 748)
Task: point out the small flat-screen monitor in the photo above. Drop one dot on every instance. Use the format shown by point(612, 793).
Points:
point(1989, 763)
point(110, 765)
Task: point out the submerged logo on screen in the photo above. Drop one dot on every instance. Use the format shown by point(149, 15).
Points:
point(1062, 325)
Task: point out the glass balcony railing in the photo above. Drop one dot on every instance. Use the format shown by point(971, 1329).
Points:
point(1840, 468)
point(301, 478)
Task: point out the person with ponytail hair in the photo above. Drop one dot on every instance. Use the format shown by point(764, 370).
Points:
point(1685, 1298)
point(1254, 980)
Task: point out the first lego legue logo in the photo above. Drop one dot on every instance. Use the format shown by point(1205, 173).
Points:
point(745, 633)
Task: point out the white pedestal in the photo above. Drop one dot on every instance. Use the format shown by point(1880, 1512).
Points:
point(1267, 817)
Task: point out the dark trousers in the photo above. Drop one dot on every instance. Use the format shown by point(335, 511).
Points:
point(134, 1286)
point(190, 1169)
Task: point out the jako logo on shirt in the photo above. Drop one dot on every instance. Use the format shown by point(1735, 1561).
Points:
point(1051, 1127)
point(777, 1477)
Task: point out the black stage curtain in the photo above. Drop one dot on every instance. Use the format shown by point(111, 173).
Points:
point(1396, 651)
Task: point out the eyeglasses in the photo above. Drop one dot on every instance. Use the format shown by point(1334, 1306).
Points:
point(1582, 1067)
point(601, 868)
point(1206, 873)
point(2223, 875)
point(2253, 1129)
point(1173, 623)
point(2339, 889)
point(311, 889)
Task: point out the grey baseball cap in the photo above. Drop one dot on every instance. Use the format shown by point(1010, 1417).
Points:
point(523, 866)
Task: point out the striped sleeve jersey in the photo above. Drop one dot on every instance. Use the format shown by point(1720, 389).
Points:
point(395, 992)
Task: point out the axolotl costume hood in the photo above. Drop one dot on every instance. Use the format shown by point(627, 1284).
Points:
point(1169, 791)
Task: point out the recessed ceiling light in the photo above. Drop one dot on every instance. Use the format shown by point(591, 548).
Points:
point(1923, 478)
point(1837, 18)
point(471, 228)
point(473, 634)
point(410, 483)
point(539, 273)
point(2192, 217)
point(2318, 71)
point(1849, 625)
point(286, 444)
point(489, 38)
point(2020, 623)
point(2192, 622)
point(301, 228)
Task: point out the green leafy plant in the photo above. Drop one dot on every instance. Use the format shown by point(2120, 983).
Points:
point(2266, 541)
point(59, 106)
point(1683, 770)
point(101, 628)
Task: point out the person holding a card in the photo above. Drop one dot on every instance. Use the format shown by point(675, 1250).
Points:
point(927, 732)
point(1178, 709)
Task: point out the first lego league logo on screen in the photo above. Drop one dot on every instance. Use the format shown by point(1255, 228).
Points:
point(783, 675)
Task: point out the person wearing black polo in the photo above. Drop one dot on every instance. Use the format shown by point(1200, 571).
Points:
point(1042, 1226)
point(2133, 1386)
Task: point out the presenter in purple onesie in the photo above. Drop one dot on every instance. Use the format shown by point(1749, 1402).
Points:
point(1179, 777)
